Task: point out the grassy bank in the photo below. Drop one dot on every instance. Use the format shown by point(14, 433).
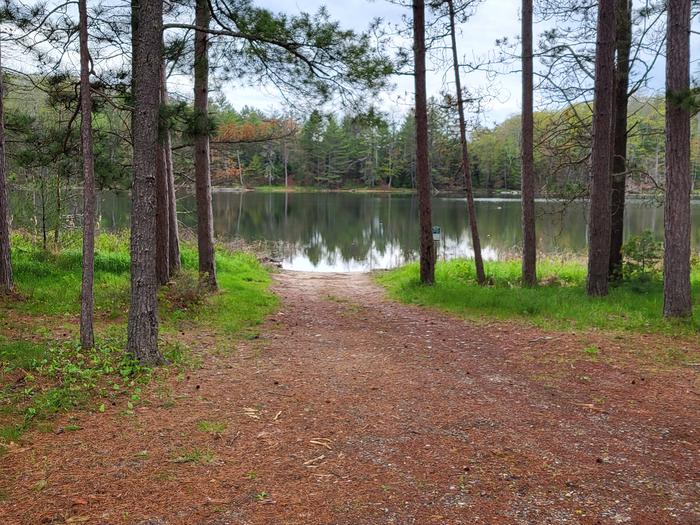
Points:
point(560, 301)
point(43, 371)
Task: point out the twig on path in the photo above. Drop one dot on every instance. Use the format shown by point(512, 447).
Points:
point(252, 413)
point(323, 442)
point(312, 462)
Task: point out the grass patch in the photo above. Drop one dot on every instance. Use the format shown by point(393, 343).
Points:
point(203, 457)
point(50, 284)
point(50, 280)
point(212, 427)
point(261, 496)
point(592, 351)
point(244, 299)
point(560, 301)
point(66, 377)
point(40, 379)
point(25, 355)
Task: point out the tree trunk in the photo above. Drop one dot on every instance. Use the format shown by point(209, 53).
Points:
point(677, 300)
point(527, 178)
point(619, 177)
point(162, 195)
point(205, 218)
point(57, 222)
point(427, 251)
point(162, 214)
point(44, 231)
point(599, 214)
point(87, 300)
point(471, 210)
point(6, 283)
point(147, 51)
point(240, 169)
point(173, 228)
point(286, 165)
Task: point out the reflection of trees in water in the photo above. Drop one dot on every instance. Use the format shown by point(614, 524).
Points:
point(376, 230)
point(360, 231)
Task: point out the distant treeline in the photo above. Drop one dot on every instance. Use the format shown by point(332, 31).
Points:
point(370, 149)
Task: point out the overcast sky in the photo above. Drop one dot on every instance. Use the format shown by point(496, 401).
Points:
point(494, 19)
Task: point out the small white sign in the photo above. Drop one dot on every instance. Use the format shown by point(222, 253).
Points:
point(437, 233)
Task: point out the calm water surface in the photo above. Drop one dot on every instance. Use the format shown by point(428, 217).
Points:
point(360, 232)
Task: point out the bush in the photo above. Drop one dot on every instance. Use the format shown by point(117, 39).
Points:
point(185, 290)
point(642, 256)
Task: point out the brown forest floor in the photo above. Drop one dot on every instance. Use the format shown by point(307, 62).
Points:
point(351, 409)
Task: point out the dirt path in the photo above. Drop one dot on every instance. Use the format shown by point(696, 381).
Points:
point(351, 409)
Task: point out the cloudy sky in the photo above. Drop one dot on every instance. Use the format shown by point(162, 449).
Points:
point(494, 19)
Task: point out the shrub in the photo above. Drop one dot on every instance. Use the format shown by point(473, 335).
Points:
point(642, 256)
point(185, 290)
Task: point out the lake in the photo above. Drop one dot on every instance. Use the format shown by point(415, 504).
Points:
point(360, 231)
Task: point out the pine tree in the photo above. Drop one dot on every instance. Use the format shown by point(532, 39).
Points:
point(677, 219)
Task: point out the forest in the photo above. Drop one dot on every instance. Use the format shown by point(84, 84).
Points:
point(381, 262)
point(364, 149)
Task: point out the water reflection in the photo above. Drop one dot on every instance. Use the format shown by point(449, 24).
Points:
point(360, 232)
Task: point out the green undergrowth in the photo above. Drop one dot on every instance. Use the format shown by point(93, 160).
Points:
point(559, 301)
point(49, 280)
point(41, 379)
point(43, 370)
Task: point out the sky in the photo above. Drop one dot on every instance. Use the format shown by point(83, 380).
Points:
point(495, 19)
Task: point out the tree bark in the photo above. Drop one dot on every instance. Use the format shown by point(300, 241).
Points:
point(427, 251)
point(57, 222)
point(599, 213)
point(6, 282)
point(205, 218)
point(173, 228)
point(162, 216)
point(162, 198)
point(87, 300)
point(471, 210)
point(527, 178)
point(147, 51)
point(677, 300)
point(619, 177)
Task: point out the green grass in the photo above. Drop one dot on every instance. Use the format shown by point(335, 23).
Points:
point(26, 355)
point(56, 376)
point(245, 299)
point(212, 427)
point(50, 281)
point(560, 301)
point(196, 455)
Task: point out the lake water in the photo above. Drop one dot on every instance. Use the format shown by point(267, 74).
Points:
point(360, 232)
